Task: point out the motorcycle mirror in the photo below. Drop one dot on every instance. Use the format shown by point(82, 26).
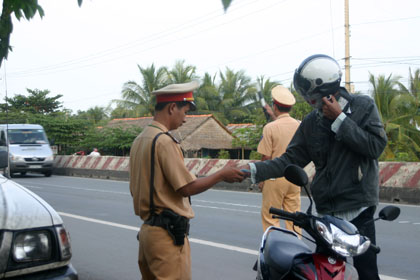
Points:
point(296, 175)
point(389, 213)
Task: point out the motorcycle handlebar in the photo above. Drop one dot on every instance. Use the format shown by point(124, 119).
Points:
point(283, 214)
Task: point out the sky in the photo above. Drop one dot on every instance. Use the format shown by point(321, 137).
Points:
point(87, 53)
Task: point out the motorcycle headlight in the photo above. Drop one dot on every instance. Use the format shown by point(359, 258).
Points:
point(32, 246)
point(344, 244)
point(64, 241)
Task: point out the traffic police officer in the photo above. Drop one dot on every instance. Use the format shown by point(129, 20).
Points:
point(279, 193)
point(160, 185)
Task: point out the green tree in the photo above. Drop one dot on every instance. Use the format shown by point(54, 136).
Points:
point(208, 100)
point(247, 138)
point(301, 107)
point(237, 95)
point(223, 154)
point(95, 115)
point(181, 73)
point(37, 102)
point(138, 99)
point(111, 140)
point(397, 113)
point(62, 130)
point(265, 86)
point(21, 8)
point(413, 90)
point(226, 3)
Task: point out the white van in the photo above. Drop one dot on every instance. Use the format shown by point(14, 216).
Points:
point(29, 149)
point(33, 241)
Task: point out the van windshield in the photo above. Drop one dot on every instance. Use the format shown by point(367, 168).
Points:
point(27, 136)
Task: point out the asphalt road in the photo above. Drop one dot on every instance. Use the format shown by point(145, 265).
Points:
point(224, 236)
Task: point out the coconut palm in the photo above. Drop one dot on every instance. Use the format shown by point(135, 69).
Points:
point(207, 97)
point(137, 99)
point(237, 93)
point(180, 73)
point(413, 90)
point(301, 107)
point(397, 112)
point(265, 86)
point(96, 114)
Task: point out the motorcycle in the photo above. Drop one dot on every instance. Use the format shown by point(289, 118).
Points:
point(282, 255)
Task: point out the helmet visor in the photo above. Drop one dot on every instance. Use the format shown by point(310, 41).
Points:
point(302, 85)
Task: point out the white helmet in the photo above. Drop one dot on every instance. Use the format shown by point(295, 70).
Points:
point(317, 76)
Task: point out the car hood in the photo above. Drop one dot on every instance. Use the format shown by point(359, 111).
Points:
point(22, 209)
point(39, 150)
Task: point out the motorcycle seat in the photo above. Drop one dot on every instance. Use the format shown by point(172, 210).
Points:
point(281, 248)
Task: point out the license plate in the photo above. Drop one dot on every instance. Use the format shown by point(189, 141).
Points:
point(35, 166)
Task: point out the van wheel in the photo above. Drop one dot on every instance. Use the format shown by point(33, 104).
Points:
point(23, 173)
point(48, 173)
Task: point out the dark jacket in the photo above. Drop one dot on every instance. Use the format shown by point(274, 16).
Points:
point(346, 163)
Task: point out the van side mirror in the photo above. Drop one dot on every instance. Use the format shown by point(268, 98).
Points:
point(3, 159)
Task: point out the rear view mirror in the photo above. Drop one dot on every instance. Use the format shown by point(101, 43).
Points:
point(296, 175)
point(389, 213)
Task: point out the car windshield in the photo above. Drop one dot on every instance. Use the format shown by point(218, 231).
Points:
point(27, 136)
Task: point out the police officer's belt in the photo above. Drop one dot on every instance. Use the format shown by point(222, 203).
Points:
point(177, 226)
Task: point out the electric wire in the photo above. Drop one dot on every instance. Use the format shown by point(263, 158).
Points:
point(154, 37)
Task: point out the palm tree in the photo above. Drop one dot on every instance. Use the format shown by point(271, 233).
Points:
point(237, 93)
point(138, 99)
point(414, 91)
point(181, 74)
point(301, 107)
point(96, 114)
point(207, 97)
point(397, 113)
point(383, 93)
point(265, 86)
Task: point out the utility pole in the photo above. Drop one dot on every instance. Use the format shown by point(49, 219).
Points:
point(347, 46)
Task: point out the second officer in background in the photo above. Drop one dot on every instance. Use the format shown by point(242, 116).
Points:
point(277, 134)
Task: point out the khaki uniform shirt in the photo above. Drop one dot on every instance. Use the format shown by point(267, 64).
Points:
point(170, 174)
point(277, 135)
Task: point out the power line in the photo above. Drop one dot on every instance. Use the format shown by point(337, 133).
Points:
point(151, 38)
point(386, 20)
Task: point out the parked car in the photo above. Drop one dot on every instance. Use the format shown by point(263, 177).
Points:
point(29, 149)
point(34, 243)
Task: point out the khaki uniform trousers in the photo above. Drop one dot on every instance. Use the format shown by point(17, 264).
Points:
point(282, 194)
point(159, 258)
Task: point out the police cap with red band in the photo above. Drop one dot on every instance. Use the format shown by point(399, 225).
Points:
point(177, 92)
point(282, 97)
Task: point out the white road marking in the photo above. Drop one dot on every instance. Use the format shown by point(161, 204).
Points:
point(33, 187)
point(228, 209)
point(193, 240)
point(81, 189)
point(225, 203)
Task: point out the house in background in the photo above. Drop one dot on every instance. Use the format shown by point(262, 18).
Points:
point(201, 135)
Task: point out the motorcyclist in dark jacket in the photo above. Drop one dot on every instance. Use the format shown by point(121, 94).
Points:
point(344, 138)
